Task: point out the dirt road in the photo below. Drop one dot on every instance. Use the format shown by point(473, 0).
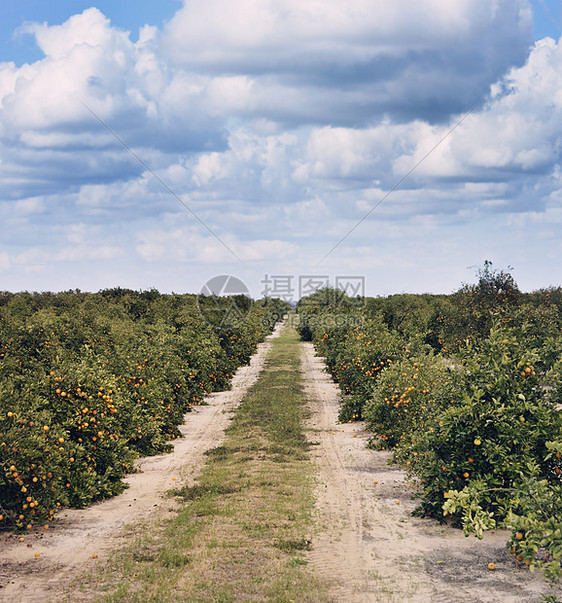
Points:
point(76, 535)
point(369, 547)
point(366, 545)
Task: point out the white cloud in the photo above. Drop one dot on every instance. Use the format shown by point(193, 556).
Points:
point(80, 253)
point(188, 245)
point(281, 124)
point(208, 167)
point(5, 261)
point(219, 32)
point(91, 28)
point(514, 137)
point(85, 60)
point(372, 57)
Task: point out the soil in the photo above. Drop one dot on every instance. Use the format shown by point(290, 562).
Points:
point(366, 547)
point(369, 547)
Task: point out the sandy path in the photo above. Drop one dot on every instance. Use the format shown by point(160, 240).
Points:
point(369, 548)
point(66, 549)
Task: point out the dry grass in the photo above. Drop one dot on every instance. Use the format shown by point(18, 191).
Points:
point(242, 529)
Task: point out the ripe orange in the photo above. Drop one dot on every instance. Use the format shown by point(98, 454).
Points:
point(519, 536)
point(491, 566)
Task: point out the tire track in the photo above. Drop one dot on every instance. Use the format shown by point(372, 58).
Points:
point(368, 547)
point(337, 494)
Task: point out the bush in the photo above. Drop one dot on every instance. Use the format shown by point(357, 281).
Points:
point(500, 429)
point(89, 382)
point(407, 398)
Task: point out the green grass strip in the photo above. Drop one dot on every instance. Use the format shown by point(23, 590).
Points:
point(243, 528)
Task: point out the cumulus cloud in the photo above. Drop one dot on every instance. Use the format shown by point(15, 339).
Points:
point(89, 63)
point(186, 244)
point(84, 57)
point(422, 60)
point(281, 124)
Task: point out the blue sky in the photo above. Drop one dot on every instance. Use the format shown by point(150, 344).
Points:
point(148, 144)
point(124, 14)
point(547, 18)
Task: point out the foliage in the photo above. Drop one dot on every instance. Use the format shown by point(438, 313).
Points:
point(89, 382)
point(535, 519)
point(466, 390)
point(408, 396)
point(495, 433)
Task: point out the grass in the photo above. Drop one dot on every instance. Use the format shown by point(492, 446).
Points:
point(242, 529)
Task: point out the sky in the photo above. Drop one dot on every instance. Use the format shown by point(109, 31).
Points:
point(396, 145)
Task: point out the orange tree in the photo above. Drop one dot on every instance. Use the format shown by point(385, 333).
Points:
point(491, 437)
point(88, 382)
point(366, 351)
point(408, 396)
point(478, 422)
point(474, 308)
point(355, 349)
